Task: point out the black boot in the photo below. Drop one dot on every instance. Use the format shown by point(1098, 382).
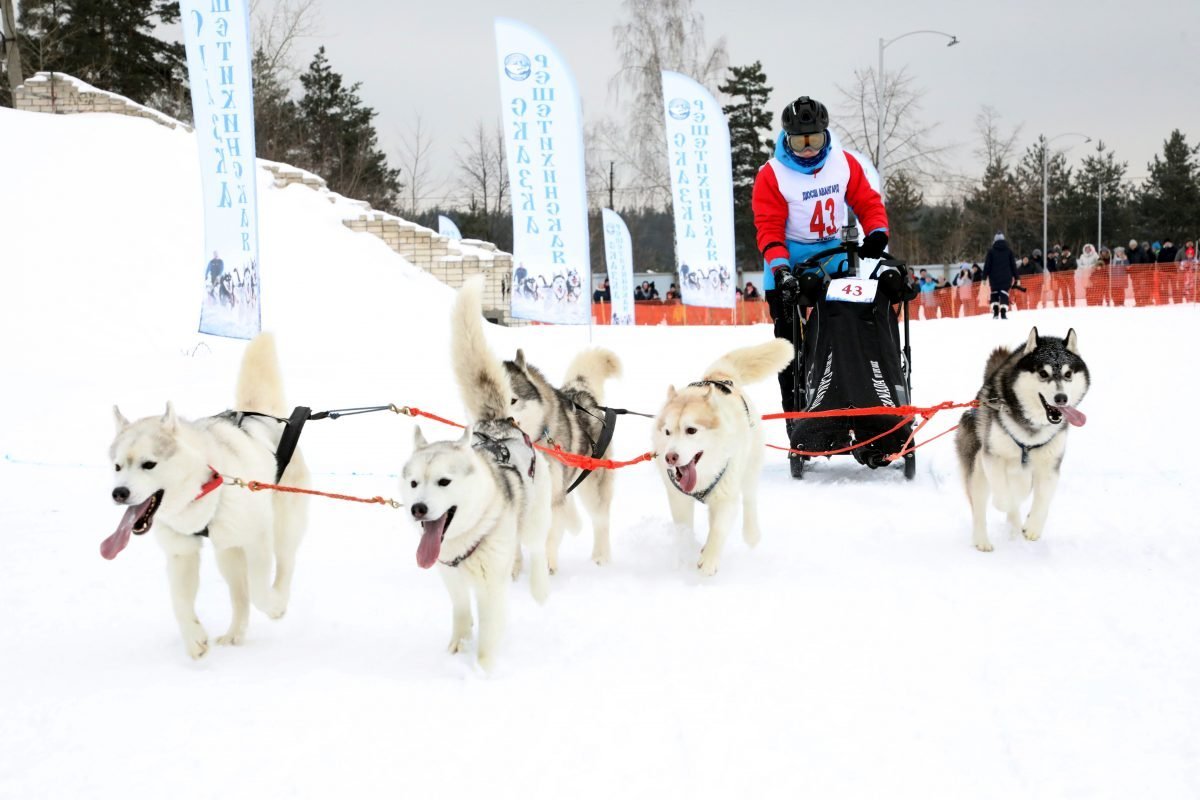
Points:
point(1003, 312)
point(995, 311)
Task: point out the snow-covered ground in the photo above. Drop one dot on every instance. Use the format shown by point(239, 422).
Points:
point(864, 649)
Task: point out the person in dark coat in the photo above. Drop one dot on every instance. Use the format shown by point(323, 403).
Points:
point(1000, 268)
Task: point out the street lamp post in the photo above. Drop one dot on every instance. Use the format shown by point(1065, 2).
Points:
point(883, 45)
point(1045, 195)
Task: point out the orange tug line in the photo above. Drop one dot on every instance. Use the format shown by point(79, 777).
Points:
point(906, 413)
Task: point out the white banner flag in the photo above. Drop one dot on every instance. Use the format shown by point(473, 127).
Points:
point(701, 192)
point(618, 256)
point(217, 39)
point(446, 227)
point(543, 142)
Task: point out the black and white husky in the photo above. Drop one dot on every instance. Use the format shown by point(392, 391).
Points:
point(571, 417)
point(1013, 443)
point(480, 498)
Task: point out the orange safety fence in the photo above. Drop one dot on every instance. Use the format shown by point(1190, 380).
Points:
point(1134, 285)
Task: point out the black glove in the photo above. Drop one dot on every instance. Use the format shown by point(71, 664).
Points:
point(874, 245)
point(788, 286)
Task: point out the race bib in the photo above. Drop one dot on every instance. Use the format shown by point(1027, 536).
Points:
point(852, 290)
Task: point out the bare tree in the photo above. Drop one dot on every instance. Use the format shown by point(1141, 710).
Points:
point(415, 147)
point(483, 174)
point(658, 35)
point(278, 25)
point(908, 144)
point(11, 47)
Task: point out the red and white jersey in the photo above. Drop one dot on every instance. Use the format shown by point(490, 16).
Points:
point(793, 205)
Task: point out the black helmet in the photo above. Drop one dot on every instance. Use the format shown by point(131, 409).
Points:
point(805, 115)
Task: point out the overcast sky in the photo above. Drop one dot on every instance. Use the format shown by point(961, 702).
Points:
point(1124, 72)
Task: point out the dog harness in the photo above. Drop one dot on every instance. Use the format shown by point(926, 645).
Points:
point(1025, 448)
point(470, 552)
point(701, 495)
point(726, 387)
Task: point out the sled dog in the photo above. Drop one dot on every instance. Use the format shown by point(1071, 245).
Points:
point(1013, 443)
point(708, 441)
point(168, 476)
point(571, 417)
point(482, 497)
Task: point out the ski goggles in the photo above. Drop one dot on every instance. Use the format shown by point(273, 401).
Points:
point(807, 141)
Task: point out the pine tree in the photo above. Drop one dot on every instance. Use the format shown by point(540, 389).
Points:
point(1099, 173)
point(110, 45)
point(1170, 198)
point(275, 114)
point(338, 141)
point(748, 119)
point(1058, 193)
point(904, 205)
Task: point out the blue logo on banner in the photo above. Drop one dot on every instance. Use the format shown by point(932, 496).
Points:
point(517, 66)
point(679, 108)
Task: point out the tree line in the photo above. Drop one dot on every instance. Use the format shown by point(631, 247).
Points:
point(315, 119)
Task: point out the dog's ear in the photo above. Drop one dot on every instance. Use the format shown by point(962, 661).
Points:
point(671, 393)
point(418, 438)
point(119, 418)
point(1031, 342)
point(520, 360)
point(169, 420)
point(1072, 341)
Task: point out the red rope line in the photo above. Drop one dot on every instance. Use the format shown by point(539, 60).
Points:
point(258, 486)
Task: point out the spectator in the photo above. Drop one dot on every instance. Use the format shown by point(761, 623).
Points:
point(1026, 267)
point(1000, 268)
point(650, 289)
point(1118, 276)
point(1084, 265)
point(964, 288)
point(1189, 262)
point(672, 293)
point(1168, 272)
point(602, 294)
point(751, 292)
point(1036, 262)
point(976, 273)
point(926, 285)
point(1064, 280)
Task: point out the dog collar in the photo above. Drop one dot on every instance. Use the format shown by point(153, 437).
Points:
point(701, 495)
point(470, 551)
point(214, 481)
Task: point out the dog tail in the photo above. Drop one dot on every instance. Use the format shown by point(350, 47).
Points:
point(592, 368)
point(482, 381)
point(748, 365)
point(995, 361)
point(260, 381)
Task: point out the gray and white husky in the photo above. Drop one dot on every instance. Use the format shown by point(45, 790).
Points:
point(167, 473)
point(480, 498)
point(1013, 444)
point(571, 417)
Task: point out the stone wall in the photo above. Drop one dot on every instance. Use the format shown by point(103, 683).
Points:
point(450, 261)
point(59, 93)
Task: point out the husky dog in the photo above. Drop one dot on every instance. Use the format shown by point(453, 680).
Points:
point(480, 498)
point(708, 442)
point(1013, 443)
point(168, 473)
point(572, 418)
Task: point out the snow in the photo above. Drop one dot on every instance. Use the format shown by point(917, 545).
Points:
point(864, 649)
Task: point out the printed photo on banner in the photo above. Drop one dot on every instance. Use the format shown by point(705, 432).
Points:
point(543, 148)
point(217, 40)
point(701, 192)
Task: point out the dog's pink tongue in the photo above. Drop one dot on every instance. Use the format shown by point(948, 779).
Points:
point(687, 476)
point(116, 543)
point(1073, 415)
point(431, 542)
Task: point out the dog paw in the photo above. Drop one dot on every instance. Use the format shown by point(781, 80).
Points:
point(601, 556)
point(231, 638)
point(458, 644)
point(708, 564)
point(487, 661)
point(983, 547)
point(197, 648)
point(752, 536)
point(1032, 534)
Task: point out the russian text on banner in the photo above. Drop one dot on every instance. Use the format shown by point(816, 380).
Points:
point(447, 228)
point(618, 256)
point(543, 142)
point(701, 192)
point(217, 39)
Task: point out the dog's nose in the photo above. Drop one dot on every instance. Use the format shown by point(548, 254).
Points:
point(120, 494)
point(672, 458)
point(419, 510)
point(1061, 399)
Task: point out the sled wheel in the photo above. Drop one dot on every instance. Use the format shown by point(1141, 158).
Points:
point(910, 466)
point(797, 465)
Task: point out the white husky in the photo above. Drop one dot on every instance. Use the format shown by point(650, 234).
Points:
point(708, 443)
point(482, 497)
point(168, 472)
